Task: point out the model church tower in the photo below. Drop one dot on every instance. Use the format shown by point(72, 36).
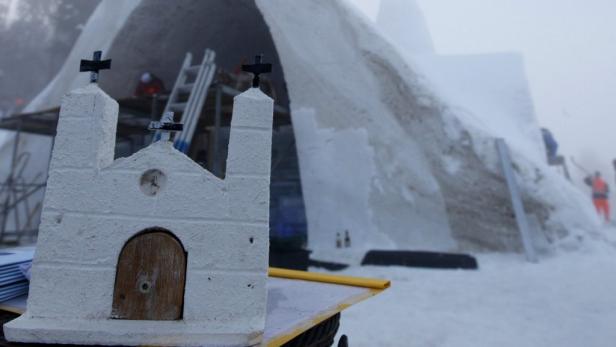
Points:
point(151, 249)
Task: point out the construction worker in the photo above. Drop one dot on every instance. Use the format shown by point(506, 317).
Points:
point(149, 85)
point(600, 195)
point(551, 146)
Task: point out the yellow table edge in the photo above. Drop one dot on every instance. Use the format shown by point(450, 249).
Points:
point(375, 286)
point(328, 278)
point(11, 309)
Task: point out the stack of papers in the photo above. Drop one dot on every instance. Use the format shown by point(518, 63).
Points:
point(13, 282)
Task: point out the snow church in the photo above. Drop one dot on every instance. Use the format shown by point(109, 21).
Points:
point(152, 248)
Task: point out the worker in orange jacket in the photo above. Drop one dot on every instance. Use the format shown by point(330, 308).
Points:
point(600, 195)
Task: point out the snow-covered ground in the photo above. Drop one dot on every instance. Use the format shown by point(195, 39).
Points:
point(568, 299)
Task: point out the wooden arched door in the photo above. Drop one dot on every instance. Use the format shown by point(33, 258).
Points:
point(150, 278)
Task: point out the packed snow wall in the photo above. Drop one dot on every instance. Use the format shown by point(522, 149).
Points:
point(490, 95)
point(381, 156)
point(429, 163)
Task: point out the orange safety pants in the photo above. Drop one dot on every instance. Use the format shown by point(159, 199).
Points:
point(603, 208)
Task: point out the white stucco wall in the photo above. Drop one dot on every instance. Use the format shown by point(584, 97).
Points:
point(94, 205)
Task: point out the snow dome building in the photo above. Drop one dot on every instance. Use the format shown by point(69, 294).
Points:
point(388, 147)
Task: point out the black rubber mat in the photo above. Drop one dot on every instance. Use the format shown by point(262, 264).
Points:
point(435, 260)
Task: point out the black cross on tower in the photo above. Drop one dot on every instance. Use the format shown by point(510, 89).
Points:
point(94, 66)
point(256, 69)
point(165, 127)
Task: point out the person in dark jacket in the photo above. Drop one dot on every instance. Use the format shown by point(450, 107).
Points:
point(551, 146)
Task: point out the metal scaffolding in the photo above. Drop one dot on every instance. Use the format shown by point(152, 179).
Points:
point(21, 198)
point(19, 204)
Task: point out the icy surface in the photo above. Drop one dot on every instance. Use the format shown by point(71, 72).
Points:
point(564, 301)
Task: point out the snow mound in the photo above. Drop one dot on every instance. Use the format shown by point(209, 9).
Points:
point(390, 148)
point(562, 301)
point(426, 158)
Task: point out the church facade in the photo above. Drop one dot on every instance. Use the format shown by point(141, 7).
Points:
point(150, 249)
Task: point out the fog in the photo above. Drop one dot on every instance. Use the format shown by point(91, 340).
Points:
point(35, 37)
point(569, 48)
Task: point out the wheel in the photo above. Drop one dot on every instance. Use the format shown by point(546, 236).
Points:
point(320, 335)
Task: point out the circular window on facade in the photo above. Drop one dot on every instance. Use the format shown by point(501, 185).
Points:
point(152, 182)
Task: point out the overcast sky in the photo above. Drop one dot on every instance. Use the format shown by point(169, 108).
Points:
point(569, 47)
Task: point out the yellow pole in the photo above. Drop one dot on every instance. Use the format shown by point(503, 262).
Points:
point(327, 278)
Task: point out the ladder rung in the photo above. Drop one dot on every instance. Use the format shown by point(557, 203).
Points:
point(186, 87)
point(193, 69)
point(177, 106)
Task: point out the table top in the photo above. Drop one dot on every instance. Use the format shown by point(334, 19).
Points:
point(296, 301)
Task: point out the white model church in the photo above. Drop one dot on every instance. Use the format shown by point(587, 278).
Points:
point(150, 249)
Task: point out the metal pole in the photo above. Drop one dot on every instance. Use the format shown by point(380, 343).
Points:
point(566, 169)
point(217, 116)
point(516, 200)
point(154, 108)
